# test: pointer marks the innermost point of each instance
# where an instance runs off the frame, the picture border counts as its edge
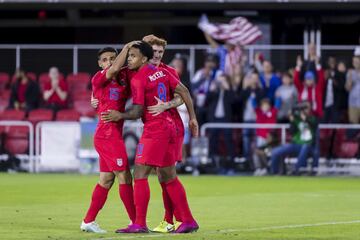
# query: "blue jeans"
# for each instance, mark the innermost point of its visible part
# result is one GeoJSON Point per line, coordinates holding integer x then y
{"type": "Point", "coordinates": [301, 151]}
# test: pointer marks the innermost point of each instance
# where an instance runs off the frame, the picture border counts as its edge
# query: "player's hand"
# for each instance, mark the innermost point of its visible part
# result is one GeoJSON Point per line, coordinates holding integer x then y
{"type": "Point", "coordinates": [111, 116]}
{"type": "Point", "coordinates": [148, 38]}
{"type": "Point", "coordinates": [158, 108]}
{"type": "Point", "coordinates": [94, 102]}
{"type": "Point", "coordinates": [194, 127]}
{"type": "Point", "coordinates": [299, 61]}
{"type": "Point", "coordinates": [130, 44]}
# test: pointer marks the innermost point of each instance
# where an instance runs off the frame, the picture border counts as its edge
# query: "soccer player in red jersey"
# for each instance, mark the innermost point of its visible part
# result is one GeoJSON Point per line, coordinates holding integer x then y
{"type": "Point", "coordinates": [112, 91]}
{"type": "Point", "coordinates": [158, 45]}
{"type": "Point", "coordinates": [159, 133]}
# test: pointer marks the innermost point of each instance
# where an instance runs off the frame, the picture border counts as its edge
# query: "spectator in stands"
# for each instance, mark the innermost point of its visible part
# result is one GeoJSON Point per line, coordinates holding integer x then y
{"type": "Point", "coordinates": [179, 63]}
{"type": "Point", "coordinates": [251, 90]}
{"type": "Point", "coordinates": [219, 100]}
{"type": "Point", "coordinates": [55, 92]}
{"type": "Point", "coordinates": [353, 86]}
{"type": "Point", "coordinates": [222, 51]}
{"type": "Point", "coordinates": [269, 81]}
{"type": "Point", "coordinates": [25, 93]}
{"type": "Point", "coordinates": [311, 88]}
{"type": "Point", "coordinates": [200, 85]}
{"type": "Point", "coordinates": [286, 97]}
{"type": "Point", "coordinates": [303, 128]}
{"type": "Point", "coordinates": [311, 62]}
{"type": "Point", "coordinates": [335, 94]}
{"type": "Point", "coordinates": [265, 114]}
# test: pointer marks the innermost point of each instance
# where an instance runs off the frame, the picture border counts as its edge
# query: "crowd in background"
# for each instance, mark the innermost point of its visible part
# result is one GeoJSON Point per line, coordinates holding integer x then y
{"type": "Point", "coordinates": [313, 91]}
{"type": "Point", "coordinates": [229, 89]}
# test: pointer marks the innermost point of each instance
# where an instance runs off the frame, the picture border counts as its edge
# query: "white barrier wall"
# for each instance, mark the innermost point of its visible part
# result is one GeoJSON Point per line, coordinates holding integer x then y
{"type": "Point", "coordinates": [58, 148]}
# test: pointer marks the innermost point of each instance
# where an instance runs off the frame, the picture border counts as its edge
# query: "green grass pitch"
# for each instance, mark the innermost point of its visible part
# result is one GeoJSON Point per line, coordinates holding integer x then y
{"type": "Point", "coordinates": [51, 206]}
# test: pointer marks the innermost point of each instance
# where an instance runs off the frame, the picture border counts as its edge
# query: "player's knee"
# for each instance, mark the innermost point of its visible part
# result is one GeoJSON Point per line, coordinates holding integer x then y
{"type": "Point", "coordinates": [167, 175]}
{"type": "Point", "coordinates": [106, 182]}
{"type": "Point", "coordinates": [124, 177]}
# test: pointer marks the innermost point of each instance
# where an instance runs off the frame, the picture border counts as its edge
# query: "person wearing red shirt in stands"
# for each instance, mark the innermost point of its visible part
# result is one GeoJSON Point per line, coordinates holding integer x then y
{"type": "Point", "coordinates": [265, 114]}
{"type": "Point", "coordinates": [56, 91]}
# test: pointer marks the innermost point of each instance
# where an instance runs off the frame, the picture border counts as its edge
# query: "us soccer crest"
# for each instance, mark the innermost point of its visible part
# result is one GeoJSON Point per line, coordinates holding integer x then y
{"type": "Point", "coordinates": [119, 162]}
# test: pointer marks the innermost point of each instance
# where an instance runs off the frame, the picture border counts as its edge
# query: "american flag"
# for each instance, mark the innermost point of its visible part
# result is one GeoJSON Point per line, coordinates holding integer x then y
{"type": "Point", "coordinates": [239, 31]}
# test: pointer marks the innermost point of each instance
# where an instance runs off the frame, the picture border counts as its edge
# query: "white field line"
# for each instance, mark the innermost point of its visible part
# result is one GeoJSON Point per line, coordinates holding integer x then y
{"type": "Point", "coordinates": [136, 236]}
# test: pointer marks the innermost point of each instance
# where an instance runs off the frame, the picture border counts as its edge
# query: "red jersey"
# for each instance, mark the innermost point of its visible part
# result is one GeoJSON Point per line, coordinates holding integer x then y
{"type": "Point", "coordinates": [112, 95]}
{"type": "Point", "coordinates": [173, 111]}
{"type": "Point", "coordinates": [54, 98]}
{"type": "Point", "coordinates": [265, 117]}
{"type": "Point", "coordinates": [149, 82]}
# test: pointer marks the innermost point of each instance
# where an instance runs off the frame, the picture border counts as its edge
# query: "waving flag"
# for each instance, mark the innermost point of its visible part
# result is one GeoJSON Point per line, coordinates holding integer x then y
{"type": "Point", "coordinates": [238, 32]}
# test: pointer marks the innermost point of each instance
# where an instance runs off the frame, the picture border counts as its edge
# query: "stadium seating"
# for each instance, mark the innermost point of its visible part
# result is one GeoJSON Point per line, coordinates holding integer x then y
{"type": "Point", "coordinates": [4, 80]}
{"type": "Point", "coordinates": [4, 99]}
{"type": "Point", "coordinates": [39, 115]}
{"type": "Point", "coordinates": [77, 83]}
{"type": "Point", "coordinates": [83, 95]}
{"type": "Point", "coordinates": [16, 140]}
{"type": "Point", "coordinates": [84, 108]}
{"type": "Point", "coordinates": [11, 114]}
{"type": "Point", "coordinates": [67, 115]}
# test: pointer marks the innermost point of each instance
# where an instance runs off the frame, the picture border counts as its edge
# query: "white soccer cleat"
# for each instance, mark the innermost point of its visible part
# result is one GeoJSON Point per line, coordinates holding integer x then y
{"type": "Point", "coordinates": [91, 227]}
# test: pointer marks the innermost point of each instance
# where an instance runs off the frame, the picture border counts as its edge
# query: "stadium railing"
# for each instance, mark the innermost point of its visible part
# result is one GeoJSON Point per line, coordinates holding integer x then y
{"type": "Point", "coordinates": [347, 165]}
{"type": "Point", "coordinates": [29, 157]}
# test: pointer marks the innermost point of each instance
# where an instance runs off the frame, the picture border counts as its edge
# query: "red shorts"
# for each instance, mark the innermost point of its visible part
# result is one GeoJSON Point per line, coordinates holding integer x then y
{"type": "Point", "coordinates": [156, 146]}
{"type": "Point", "coordinates": [178, 148]}
{"type": "Point", "coordinates": [112, 153]}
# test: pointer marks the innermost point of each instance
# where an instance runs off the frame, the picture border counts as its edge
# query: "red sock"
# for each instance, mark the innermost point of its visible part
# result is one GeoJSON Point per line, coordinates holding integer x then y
{"type": "Point", "coordinates": [142, 197]}
{"type": "Point", "coordinates": [167, 205]}
{"type": "Point", "coordinates": [177, 194]}
{"type": "Point", "coordinates": [98, 200]}
{"type": "Point", "coordinates": [127, 196]}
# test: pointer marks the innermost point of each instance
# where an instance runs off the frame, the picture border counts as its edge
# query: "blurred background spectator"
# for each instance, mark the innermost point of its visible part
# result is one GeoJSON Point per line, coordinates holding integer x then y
{"type": "Point", "coordinates": [286, 96]}
{"type": "Point", "coordinates": [269, 81]}
{"type": "Point", "coordinates": [179, 63]}
{"type": "Point", "coordinates": [25, 93]}
{"type": "Point", "coordinates": [219, 100]}
{"type": "Point", "coordinates": [265, 114]}
{"type": "Point", "coordinates": [200, 85]}
{"type": "Point", "coordinates": [353, 86]}
{"type": "Point", "coordinates": [303, 130]}
{"type": "Point", "coordinates": [55, 91]}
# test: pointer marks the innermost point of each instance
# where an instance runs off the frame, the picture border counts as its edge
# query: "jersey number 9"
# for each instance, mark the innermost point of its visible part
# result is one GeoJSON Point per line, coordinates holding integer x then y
{"type": "Point", "coordinates": [161, 89]}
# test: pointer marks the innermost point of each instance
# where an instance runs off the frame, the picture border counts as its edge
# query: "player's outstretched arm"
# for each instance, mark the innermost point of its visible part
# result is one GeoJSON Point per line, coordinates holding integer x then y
{"type": "Point", "coordinates": [133, 113]}
{"type": "Point", "coordinates": [185, 95]}
{"type": "Point", "coordinates": [163, 106]}
{"type": "Point", "coordinates": [119, 61]}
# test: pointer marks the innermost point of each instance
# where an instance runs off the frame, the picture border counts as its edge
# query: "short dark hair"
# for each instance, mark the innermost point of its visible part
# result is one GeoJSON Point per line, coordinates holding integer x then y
{"type": "Point", "coordinates": [145, 49]}
{"type": "Point", "coordinates": [106, 49]}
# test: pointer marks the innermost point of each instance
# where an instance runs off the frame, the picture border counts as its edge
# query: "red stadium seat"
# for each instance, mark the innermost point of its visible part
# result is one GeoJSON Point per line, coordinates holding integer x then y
{"type": "Point", "coordinates": [12, 114]}
{"type": "Point", "coordinates": [67, 115]}
{"type": "Point", "coordinates": [347, 150]}
{"type": "Point", "coordinates": [82, 96]}
{"type": "Point", "coordinates": [84, 108]}
{"type": "Point", "coordinates": [78, 82]}
{"type": "Point", "coordinates": [81, 76]}
{"type": "Point", "coordinates": [39, 115]}
{"type": "Point", "coordinates": [16, 139]}
{"type": "Point", "coordinates": [4, 99]}
{"type": "Point", "coordinates": [4, 80]}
